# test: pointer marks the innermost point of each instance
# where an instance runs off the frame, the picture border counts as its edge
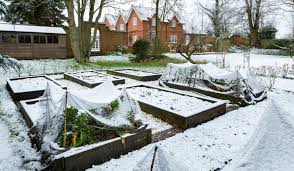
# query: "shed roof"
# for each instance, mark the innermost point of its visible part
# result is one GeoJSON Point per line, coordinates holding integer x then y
{"type": "Point", "coordinates": [30, 28]}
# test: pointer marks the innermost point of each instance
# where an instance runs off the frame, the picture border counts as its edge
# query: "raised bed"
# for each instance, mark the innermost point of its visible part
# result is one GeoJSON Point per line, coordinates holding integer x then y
{"type": "Point", "coordinates": [82, 158]}
{"type": "Point", "coordinates": [91, 79]}
{"type": "Point", "coordinates": [24, 88]}
{"type": "Point", "coordinates": [135, 74]}
{"type": "Point", "coordinates": [179, 109]}
{"type": "Point", "coordinates": [233, 99]}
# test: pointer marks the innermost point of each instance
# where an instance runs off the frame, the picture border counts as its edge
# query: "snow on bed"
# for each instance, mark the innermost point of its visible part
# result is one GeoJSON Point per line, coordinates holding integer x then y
{"type": "Point", "coordinates": [136, 72]}
{"type": "Point", "coordinates": [91, 76]}
{"type": "Point", "coordinates": [181, 104]}
{"type": "Point", "coordinates": [209, 146]}
{"type": "Point", "coordinates": [31, 84]}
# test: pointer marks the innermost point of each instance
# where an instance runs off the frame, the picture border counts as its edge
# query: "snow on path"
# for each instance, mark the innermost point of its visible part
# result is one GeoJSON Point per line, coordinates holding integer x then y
{"type": "Point", "coordinates": [271, 147]}
{"type": "Point", "coordinates": [207, 147]}
{"type": "Point", "coordinates": [4, 143]}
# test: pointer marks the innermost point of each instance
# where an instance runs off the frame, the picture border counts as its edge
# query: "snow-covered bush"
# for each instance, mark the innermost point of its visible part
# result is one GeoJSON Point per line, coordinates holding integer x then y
{"type": "Point", "coordinates": [6, 63]}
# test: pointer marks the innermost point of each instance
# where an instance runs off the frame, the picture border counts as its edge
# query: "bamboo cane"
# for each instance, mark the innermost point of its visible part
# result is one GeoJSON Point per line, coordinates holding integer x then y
{"type": "Point", "coordinates": [65, 131]}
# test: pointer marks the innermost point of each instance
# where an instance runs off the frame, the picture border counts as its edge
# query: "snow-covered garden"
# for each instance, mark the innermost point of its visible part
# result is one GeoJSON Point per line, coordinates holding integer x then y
{"type": "Point", "coordinates": [258, 136]}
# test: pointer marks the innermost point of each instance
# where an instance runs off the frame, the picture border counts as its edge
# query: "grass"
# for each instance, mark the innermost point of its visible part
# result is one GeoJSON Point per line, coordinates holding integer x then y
{"type": "Point", "coordinates": [153, 63]}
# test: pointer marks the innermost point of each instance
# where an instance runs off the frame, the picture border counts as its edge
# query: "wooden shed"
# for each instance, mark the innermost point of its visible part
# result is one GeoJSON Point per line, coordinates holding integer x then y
{"type": "Point", "coordinates": [32, 42]}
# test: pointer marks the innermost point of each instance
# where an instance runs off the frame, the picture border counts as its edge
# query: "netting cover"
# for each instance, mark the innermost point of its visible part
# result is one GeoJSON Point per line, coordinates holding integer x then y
{"type": "Point", "coordinates": [162, 161]}
{"type": "Point", "coordinates": [93, 102]}
{"type": "Point", "coordinates": [212, 78]}
{"type": "Point", "coordinates": [271, 147]}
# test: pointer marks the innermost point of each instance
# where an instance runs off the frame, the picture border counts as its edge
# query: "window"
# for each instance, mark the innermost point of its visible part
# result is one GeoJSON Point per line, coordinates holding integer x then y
{"type": "Point", "coordinates": [153, 35]}
{"type": "Point", "coordinates": [24, 39]}
{"type": "Point", "coordinates": [96, 45]}
{"type": "Point", "coordinates": [52, 39]}
{"type": "Point", "coordinates": [39, 39]}
{"type": "Point", "coordinates": [7, 38]}
{"type": "Point", "coordinates": [187, 39]}
{"type": "Point", "coordinates": [153, 22]}
{"type": "Point", "coordinates": [173, 23]}
{"type": "Point", "coordinates": [135, 21]}
{"type": "Point", "coordinates": [122, 27]}
{"type": "Point", "coordinates": [173, 38]}
{"type": "Point", "coordinates": [134, 39]}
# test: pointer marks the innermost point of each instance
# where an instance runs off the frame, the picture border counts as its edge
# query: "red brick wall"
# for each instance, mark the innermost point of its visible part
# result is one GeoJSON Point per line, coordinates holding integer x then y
{"type": "Point", "coordinates": [144, 30]}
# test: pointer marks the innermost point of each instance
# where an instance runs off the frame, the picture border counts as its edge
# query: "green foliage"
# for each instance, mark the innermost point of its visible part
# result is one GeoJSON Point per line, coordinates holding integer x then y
{"type": "Point", "coordinates": [37, 12]}
{"type": "Point", "coordinates": [77, 124]}
{"type": "Point", "coordinates": [121, 49]}
{"type": "Point", "coordinates": [114, 104]}
{"type": "Point", "coordinates": [141, 49]}
{"type": "Point", "coordinates": [268, 32]}
{"type": "Point", "coordinates": [275, 43]}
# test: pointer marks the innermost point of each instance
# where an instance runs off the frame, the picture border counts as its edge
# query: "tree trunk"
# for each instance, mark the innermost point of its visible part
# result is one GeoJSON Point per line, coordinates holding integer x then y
{"type": "Point", "coordinates": [157, 39]}
{"type": "Point", "coordinates": [254, 39]}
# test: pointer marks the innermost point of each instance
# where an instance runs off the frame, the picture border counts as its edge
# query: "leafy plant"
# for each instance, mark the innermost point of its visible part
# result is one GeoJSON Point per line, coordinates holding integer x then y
{"type": "Point", "coordinates": [79, 132]}
{"type": "Point", "coordinates": [114, 104]}
{"type": "Point", "coordinates": [141, 49]}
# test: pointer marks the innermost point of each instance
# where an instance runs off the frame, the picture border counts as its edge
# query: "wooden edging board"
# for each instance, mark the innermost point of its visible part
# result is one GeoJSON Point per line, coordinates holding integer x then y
{"type": "Point", "coordinates": [200, 116]}
{"type": "Point", "coordinates": [153, 77]}
{"type": "Point", "coordinates": [82, 82]}
{"type": "Point", "coordinates": [232, 99]}
{"type": "Point", "coordinates": [26, 95]}
{"type": "Point", "coordinates": [84, 157]}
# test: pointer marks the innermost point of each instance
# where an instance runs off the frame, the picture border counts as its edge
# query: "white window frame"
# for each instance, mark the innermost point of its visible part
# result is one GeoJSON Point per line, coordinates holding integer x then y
{"type": "Point", "coordinates": [153, 35]}
{"type": "Point", "coordinates": [153, 22]}
{"type": "Point", "coordinates": [173, 39]}
{"type": "Point", "coordinates": [135, 21]}
{"type": "Point", "coordinates": [187, 39]}
{"type": "Point", "coordinates": [135, 38]}
{"type": "Point", "coordinates": [122, 27]}
{"type": "Point", "coordinates": [173, 23]}
{"type": "Point", "coordinates": [96, 45]}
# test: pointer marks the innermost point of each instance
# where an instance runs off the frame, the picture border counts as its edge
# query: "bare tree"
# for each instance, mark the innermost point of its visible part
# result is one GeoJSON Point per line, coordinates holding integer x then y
{"type": "Point", "coordinates": [220, 16]}
{"type": "Point", "coordinates": [80, 31]}
{"type": "Point", "coordinates": [196, 44]}
{"type": "Point", "coordinates": [163, 9]}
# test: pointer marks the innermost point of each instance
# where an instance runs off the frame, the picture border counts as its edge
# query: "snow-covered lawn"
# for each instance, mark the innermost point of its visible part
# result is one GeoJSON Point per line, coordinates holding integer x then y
{"type": "Point", "coordinates": [207, 147]}
{"type": "Point", "coordinates": [234, 60]}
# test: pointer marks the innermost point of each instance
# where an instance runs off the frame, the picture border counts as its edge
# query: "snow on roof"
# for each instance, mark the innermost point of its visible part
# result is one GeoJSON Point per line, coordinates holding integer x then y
{"type": "Point", "coordinates": [30, 28]}
{"type": "Point", "coordinates": [145, 13]}
{"type": "Point", "coordinates": [111, 19]}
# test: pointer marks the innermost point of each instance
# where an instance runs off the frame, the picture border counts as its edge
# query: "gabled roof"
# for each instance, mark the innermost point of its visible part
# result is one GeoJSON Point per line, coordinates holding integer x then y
{"type": "Point", "coordinates": [30, 28]}
{"type": "Point", "coordinates": [111, 19]}
{"type": "Point", "coordinates": [144, 13]}
{"type": "Point", "coordinates": [124, 16]}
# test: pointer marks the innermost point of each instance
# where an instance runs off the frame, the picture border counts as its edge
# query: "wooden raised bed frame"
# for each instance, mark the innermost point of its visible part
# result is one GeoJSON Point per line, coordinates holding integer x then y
{"type": "Point", "coordinates": [18, 96]}
{"type": "Point", "coordinates": [94, 154]}
{"type": "Point", "coordinates": [232, 99]}
{"type": "Point", "coordinates": [153, 77]}
{"type": "Point", "coordinates": [70, 77]}
{"type": "Point", "coordinates": [217, 108]}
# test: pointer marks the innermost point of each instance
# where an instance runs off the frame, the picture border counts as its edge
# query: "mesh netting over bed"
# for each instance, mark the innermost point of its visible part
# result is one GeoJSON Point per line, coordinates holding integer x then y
{"type": "Point", "coordinates": [211, 78]}
{"type": "Point", "coordinates": [159, 159]}
{"type": "Point", "coordinates": [94, 102]}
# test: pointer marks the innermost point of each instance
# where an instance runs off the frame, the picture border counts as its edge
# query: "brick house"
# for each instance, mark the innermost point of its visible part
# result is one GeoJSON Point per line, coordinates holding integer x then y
{"type": "Point", "coordinates": [110, 21]}
{"type": "Point", "coordinates": [141, 23]}
{"type": "Point", "coordinates": [121, 23]}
